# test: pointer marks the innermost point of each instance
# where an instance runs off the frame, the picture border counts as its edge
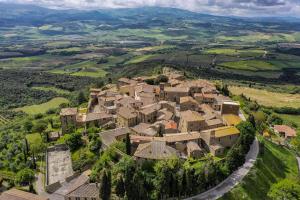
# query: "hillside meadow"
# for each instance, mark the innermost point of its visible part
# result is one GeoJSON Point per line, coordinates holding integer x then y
{"type": "Point", "coordinates": [44, 107]}
{"type": "Point", "coordinates": [275, 164]}
{"type": "Point", "coordinates": [267, 98]}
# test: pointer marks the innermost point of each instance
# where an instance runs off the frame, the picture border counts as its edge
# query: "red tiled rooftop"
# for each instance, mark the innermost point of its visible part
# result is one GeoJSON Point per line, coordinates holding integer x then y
{"type": "Point", "coordinates": [288, 131]}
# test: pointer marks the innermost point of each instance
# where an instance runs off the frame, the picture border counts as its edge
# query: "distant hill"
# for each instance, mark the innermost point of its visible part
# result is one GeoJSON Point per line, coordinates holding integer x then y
{"type": "Point", "coordinates": [29, 15]}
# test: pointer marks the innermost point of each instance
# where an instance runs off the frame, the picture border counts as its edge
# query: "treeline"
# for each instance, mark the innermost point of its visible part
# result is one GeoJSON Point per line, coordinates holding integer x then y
{"type": "Point", "coordinates": [16, 85]}
{"type": "Point", "coordinates": [173, 178]}
{"type": "Point", "coordinates": [287, 110]}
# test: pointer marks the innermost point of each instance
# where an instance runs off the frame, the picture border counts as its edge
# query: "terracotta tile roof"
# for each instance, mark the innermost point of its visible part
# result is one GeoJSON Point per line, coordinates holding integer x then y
{"type": "Point", "coordinates": [188, 99]}
{"type": "Point", "coordinates": [169, 138]}
{"type": "Point", "coordinates": [177, 89]}
{"type": "Point", "coordinates": [127, 112]}
{"type": "Point", "coordinates": [97, 116]}
{"type": "Point", "coordinates": [109, 137]}
{"type": "Point", "coordinates": [155, 150]}
{"type": "Point", "coordinates": [288, 131]}
{"type": "Point", "coordinates": [192, 146]}
{"type": "Point", "coordinates": [170, 124]}
{"type": "Point", "coordinates": [90, 190]}
{"type": "Point", "coordinates": [191, 116]}
{"type": "Point", "coordinates": [81, 180]}
{"type": "Point", "coordinates": [179, 137]}
{"type": "Point", "coordinates": [14, 194]}
{"type": "Point", "coordinates": [140, 127]}
{"type": "Point", "coordinates": [206, 108]}
{"type": "Point", "coordinates": [209, 95]}
{"type": "Point", "coordinates": [164, 114]}
{"type": "Point", "coordinates": [146, 110]}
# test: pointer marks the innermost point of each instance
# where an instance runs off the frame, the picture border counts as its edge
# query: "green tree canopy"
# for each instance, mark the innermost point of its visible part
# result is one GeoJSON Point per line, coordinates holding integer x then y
{"type": "Point", "coordinates": [25, 177]}
{"type": "Point", "coordinates": [105, 186]}
{"type": "Point", "coordinates": [73, 140]}
{"type": "Point", "coordinates": [287, 189]}
{"type": "Point", "coordinates": [40, 126]}
{"type": "Point", "coordinates": [81, 98]}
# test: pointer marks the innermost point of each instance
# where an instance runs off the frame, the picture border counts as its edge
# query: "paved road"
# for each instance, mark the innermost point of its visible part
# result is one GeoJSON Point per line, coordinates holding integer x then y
{"type": "Point", "coordinates": [298, 159]}
{"type": "Point", "coordinates": [234, 179]}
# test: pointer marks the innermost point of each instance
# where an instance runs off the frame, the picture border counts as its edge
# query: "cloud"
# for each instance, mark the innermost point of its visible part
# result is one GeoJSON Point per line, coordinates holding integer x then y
{"type": "Point", "coordinates": [218, 7]}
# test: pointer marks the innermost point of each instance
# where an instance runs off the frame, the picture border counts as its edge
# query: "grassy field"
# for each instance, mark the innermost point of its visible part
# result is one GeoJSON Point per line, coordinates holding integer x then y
{"type": "Point", "coordinates": [274, 165]}
{"type": "Point", "coordinates": [44, 107]}
{"type": "Point", "coordinates": [33, 138]}
{"type": "Point", "coordinates": [86, 68]}
{"type": "Point", "coordinates": [251, 65]}
{"type": "Point", "coordinates": [257, 37]}
{"type": "Point", "coordinates": [156, 48]}
{"type": "Point", "coordinates": [267, 98]}
{"type": "Point", "coordinates": [291, 118]}
{"type": "Point", "coordinates": [139, 59]}
{"type": "Point", "coordinates": [236, 52]}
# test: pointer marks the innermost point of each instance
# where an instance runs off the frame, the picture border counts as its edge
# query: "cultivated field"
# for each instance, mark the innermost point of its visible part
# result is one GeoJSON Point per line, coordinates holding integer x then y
{"type": "Point", "coordinates": [267, 98]}
{"type": "Point", "coordinates": [44, 107]}
{"type": "Point", "coordinates": [3, 120]}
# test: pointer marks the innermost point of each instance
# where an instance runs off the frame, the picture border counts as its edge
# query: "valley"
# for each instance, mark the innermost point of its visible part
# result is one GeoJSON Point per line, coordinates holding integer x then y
{"type": "Point", "coordinates": [56, 62]}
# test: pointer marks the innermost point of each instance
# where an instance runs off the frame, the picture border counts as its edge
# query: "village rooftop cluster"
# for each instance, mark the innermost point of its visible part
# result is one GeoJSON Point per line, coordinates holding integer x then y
{"type": "Point", "coordinates": [166, 116]}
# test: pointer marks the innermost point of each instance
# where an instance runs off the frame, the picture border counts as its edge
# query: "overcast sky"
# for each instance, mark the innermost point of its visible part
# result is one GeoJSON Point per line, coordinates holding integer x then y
{"type": "Point", "coordinates": [218, 7]}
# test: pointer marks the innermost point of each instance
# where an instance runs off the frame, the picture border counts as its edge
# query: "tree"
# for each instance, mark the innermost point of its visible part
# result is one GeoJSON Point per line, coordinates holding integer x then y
{"type": "Point", "coordinates": [74, 140]}
{"type": "Point", "coordinates": [234, 159]}
{"type": "Point", "coordinates": [81, 98]}
{"type": "Point", "coordinates": [105, 186]}
{"type": "Point", "coordinates": [50, 120]}
{"type": "Point", "coordinates": [120, 187]}
{"type": "Point", "coordinates": [28, 126]}
{"type": "Point", "coordinates": [251, 119]}
{"type": "Point", "coordinates": [260, 117]}
{"type": "Point", "coordinates": [285, 189]}
{"type": "Point", "coordinates": [99, 84]}
{"type": "Point", "coordinates": [275, 119]}
{"type": "Point", "coordinates": [225, 90]}
{"type": "Point", "coordinates": [247, 135]}
{"type": "Point", "coordinates": [95, 144]}
{"type": "Point", "coordinates": [128, 144]}
{"type": "Point", "coordinates": [40, 126]}
{"type": "Point", "coordinates": [25, 177]}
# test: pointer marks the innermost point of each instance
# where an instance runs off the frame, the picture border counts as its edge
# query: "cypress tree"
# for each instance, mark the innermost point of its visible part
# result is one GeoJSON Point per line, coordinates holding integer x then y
{"type": "Point", "coordinates": [120, 187]}
{"type": "Point", "coordinates": [128, 145]}
{"type": "Point", "coordinates": [81, 98]}
{"type": "Point", "coordinates": [252, 120]}
{"type": "Point", "coordinates": [105, 186]}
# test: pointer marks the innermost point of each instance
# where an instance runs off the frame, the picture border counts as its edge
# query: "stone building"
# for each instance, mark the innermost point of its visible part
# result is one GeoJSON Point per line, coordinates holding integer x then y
{"type": "Point", "coordinates": [174, 93]}
{"type": "Point", "coordinates": [216, 140]}
{"type": "Point", "coordinates": [191, 121]}
{"type": "Point", "coordinates": [68, 119]}
{"type": "Point", "coordinates": [127, 117]}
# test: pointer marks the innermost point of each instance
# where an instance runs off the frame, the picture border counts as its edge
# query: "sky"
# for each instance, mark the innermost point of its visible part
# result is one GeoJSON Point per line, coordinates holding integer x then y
{"type": "Point", "coordinates": [289, 8]}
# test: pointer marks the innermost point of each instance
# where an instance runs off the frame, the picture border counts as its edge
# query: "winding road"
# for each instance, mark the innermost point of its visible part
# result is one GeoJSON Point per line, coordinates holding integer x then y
{"type": "Point", "coordinates": [234, 179]}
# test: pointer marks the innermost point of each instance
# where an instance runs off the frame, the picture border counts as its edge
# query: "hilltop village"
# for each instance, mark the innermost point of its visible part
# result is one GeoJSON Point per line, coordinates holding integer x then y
{"type": "Point", "coordinates": [166, 116]}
